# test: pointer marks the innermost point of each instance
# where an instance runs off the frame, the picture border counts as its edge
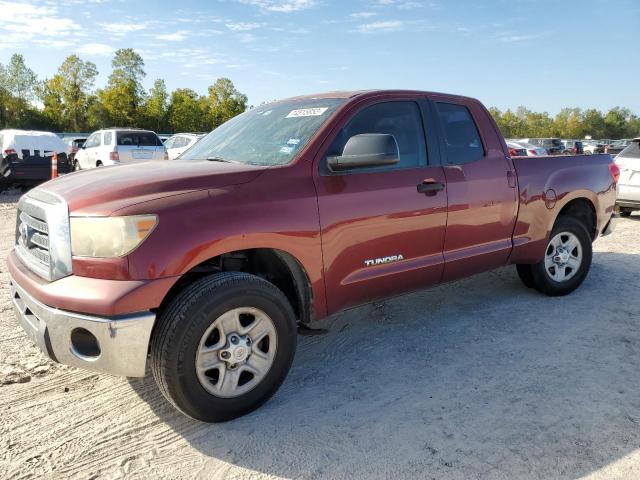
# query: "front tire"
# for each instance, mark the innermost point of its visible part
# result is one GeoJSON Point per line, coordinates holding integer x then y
{"type": "Point", "coordinates": [223, 346]}
{"type": "Point", "coordinates": [566, 262]}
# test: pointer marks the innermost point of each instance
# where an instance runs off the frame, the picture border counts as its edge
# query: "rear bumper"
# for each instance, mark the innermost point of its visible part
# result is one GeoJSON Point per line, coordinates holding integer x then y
{"type": "Point", "coordinates": [122, 342]}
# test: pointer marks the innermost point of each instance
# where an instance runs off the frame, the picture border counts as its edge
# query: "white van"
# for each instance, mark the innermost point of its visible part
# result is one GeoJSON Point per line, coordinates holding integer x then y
{"type": "Point", "coordinates": [114, 146]}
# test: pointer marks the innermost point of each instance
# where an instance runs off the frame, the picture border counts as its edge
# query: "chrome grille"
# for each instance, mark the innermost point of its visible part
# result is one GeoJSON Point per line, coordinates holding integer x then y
{"type": "Point", "coordinates": [42, 234]}
{"type": "Point", "coordinates": [33, 238]}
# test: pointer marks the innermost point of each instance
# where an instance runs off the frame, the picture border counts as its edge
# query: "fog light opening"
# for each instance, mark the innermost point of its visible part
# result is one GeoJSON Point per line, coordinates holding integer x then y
{"type": "Point", "coordinates": [84, 344]}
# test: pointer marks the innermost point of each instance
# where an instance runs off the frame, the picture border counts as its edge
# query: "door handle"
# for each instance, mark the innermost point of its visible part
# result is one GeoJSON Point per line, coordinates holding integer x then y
{"type": "Point", "coordinates": [430, 187]}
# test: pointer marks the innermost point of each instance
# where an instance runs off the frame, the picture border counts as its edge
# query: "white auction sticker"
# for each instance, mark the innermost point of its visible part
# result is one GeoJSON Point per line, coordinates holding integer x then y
{"type": "Point", "coordinates": [307, 112]}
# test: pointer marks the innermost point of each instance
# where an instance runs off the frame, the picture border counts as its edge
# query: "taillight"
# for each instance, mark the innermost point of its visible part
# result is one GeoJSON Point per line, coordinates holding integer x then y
{"type": "Point", "coordinates": [9, 151]}
{"type": "Point", "coordinates": [614, 170]}
{"type": "Point", "coordinates": [166, 155]}
{"type": "Point", "coordinates": [113, 156]}
{"type": "Point", "coordinates": [513, 152]}
{"type": "Point", "coordinates": [532, 152]}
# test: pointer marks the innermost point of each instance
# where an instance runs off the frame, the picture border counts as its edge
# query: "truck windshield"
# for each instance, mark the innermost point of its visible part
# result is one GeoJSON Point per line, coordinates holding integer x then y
{"type": "Point", "coordinates": [271, 134]}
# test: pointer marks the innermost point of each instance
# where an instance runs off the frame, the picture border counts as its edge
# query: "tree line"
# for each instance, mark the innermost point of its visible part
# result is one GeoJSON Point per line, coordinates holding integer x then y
{"type": "Point", "coordinates": [68, 101]}
{"type": "Point", "coordinates": [572, 123]}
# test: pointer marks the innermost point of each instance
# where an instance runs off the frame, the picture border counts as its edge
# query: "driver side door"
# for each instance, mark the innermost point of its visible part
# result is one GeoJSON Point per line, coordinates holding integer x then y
{"type": "Point", "coordinates": [380, 235]}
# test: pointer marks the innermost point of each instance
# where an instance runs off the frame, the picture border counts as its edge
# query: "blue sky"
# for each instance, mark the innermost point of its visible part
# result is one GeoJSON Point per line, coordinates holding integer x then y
{"type": "Point", "coordinates": [543, 54]}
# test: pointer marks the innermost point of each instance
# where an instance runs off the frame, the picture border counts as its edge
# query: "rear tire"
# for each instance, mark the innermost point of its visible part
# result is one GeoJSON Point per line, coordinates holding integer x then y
{"type": "Point", "coordinates": [76, 166]}
{"type": "Point", "coordinates": [194, 375]}
{"type": "Point", "coordinates": [625, 213]}
{"type": "Point", "coordinates": [567, 259]}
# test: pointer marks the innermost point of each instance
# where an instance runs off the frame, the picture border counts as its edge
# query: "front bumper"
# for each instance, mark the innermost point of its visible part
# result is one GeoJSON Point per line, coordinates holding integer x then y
{"type": "Point", "coordinates": [122, 341]}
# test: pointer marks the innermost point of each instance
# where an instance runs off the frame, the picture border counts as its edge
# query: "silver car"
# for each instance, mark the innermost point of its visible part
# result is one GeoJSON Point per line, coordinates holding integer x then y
{"type": "Point", "coordinates": [628, 160]}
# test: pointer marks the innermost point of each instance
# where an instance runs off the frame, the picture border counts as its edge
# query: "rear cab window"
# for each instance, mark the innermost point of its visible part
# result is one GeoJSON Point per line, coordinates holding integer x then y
{"type": "Point", "coordinates": [138, 139]}
{"type": "Point", "coordinates": [462, 139]}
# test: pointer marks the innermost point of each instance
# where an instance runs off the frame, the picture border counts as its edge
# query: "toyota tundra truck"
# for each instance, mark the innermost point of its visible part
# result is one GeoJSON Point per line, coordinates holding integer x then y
{"type": "Point", "coordinates": [206, 268]}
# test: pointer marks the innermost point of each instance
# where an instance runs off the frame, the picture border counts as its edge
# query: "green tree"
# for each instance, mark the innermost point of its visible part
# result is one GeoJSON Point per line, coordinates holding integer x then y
{"type": "Point", "coordinates": [19, 79]}
{"type": "Point", "coordinates": [568, 123]}
{"type": "Point", "coordinates": [156, 107]}
{"type": "Point", "coordinates": [225, 102]}
{"type": "Point", "coordinates": [124, 94]}
{"type": "Point", "coordinates": [65, 95]}
{"type": "Point", "coordinates": [185, 111]}
{"type": "Point", "coordinates": [593, 123]}
{"type": "Point", "coordinates": [616, 122]}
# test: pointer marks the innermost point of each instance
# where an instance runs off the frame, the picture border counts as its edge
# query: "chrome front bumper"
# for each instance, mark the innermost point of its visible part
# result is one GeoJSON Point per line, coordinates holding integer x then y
{"type": "Point", "coordinates": [122, 341]}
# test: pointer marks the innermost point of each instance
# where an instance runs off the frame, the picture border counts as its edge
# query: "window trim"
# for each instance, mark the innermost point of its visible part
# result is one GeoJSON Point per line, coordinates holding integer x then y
{"type": "Point", "coordinates": [325, 171]}
{"type": "Point", "coordinates": [444, 152]}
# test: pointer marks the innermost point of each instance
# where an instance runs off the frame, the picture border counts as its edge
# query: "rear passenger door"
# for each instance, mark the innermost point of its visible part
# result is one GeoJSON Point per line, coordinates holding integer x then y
{"type": "Point", "coordinates": [482, 202]}
{"type": "Point", "coordinates": [380, 234]}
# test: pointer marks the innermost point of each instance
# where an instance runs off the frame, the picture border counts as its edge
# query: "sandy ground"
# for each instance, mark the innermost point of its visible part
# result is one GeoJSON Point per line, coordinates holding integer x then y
{"type": "Point", "coordinates": [481, 378]}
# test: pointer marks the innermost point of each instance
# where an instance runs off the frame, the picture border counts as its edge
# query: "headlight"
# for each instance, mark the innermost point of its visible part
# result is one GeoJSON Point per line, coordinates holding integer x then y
{"type": "Point", "coordinates": [109, 236]}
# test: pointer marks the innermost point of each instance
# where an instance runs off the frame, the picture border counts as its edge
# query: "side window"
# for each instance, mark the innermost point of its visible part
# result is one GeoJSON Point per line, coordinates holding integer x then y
{"type": "Point", "coordinates": [180, 142]}
{"type": "Point", "coordinates": [400, 119]}
{"type": "Point", "coordinates": [461, 134]}
{"type": "Point", "coordinates": [108, 137]}
{"type": "Point", "coordinates": [169, 142]}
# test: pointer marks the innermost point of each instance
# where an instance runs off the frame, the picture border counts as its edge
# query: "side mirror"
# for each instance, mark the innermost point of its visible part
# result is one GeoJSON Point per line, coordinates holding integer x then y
{"type": "Point", "coordinates": [366, 150]}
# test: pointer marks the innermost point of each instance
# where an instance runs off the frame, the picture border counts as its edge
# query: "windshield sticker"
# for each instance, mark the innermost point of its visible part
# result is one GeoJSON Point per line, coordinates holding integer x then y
{"type": "Point", "coordinates": [307, 112]}
{"type": "Point", "coordinates": [286, 150]}
{"type": "Point", "coordinates": [293, 141]}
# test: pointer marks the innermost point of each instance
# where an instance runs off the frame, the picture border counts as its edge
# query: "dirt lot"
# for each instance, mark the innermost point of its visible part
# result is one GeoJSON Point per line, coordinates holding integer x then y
{"type": "Point", "coordinates": [481, 378]}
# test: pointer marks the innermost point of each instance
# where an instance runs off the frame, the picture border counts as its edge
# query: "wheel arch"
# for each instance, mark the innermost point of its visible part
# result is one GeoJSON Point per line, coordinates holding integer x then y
{"type": "Point", "coordinates": [582, 209]}
{"type": "Point", "coordinates": [279, 267]}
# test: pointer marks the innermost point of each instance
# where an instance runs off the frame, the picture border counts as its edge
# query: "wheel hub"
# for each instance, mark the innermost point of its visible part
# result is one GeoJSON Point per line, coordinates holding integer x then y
{"type": "Point", "coordinates": [561, 256]}
{"type": "Point", "coordinates": [236, 350]}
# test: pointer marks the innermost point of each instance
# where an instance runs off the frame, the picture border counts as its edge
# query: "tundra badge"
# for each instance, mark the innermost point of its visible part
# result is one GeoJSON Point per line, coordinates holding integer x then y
{"type": "Point", "coordinates": [380, 261]}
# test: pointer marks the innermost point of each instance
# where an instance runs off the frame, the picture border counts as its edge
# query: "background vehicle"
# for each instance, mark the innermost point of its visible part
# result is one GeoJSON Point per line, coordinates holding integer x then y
{"type": "Point", "coordinates": [114, 146]}
{"type": "Point", "coordinates": [73, 145]}
{"type": "Point", "coordinates": [516, 150]}
{"type": "Point", "coordinates": [617, 146]}
{"type": "Point", "coordinates": [629, 185]}
{"type": "Point", "coordinates": [591, 147]}
{"type": "Point", "coordinates": [553, 146]}
{"type": "Point", "coordinates": [288, 213]}
{"type": "Point", "coordinates": [573, 147]}
{"type": "Point", "coordinates": [180, 142]}
{"type": "Point", "coordinates": [531, 150]}
{"type": "Point", "coordinates": [25, 156]}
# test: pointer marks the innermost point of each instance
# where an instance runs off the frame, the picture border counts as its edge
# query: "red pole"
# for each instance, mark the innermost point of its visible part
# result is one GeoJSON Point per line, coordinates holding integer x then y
{"type": "Point", "coordinates": [54, 165]}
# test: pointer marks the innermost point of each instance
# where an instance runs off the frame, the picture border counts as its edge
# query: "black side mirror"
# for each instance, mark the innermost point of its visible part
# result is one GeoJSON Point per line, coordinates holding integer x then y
{"type": "Point", "coordinates": [366, 150]}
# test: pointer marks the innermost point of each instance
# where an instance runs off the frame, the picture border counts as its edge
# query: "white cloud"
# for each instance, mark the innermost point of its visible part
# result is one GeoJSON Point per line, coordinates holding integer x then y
{"type": "Point", "coordinates": [242, 26]}
{"type": "Point", "coordinates": [173, 37]}
{"type": "Point", "coordinates": [121, 29]}
{"type": "Point", "coordinates": [363, 14]}
{"type": "Point", "coordinates": [98, 49]}
{"type": "Point", "coordinates": [386, 26]}
{"type": "Point", "coordinates": [285, 6]}
{"type": "Point", "coordinates": [23, 22]}
{"type": "Point", "coordinates": [519, 38]}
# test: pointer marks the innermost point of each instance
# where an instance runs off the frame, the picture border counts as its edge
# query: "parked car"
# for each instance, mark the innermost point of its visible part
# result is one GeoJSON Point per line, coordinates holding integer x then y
{"type": "Point", "coordinates": [164, 137]}
{"type": "Point", "coordinates": [629, 185]}
{"type": "Point", "coordinates": [73, 145]}
{"type": "Point", "coordinates": [617, 146]}
{"type": "Point", "coordinates": [292, 211]}
{"type": "Point", "coordinates": [553, 146]}
{"type": "Point", "coordinates": [516, 150]}
{"type": "Point", "coordinates": [531, 150]}
{"type": "Point", "coordinates": [573, 147]}
{"type": "Point", "coordinates": [591, 147]}
{"type": "Point", "coordinates": [180, 142]}
{"type": "Point", "coordinates": [115, 146]}
{"type": "Point", "coordinates": [26, 156]}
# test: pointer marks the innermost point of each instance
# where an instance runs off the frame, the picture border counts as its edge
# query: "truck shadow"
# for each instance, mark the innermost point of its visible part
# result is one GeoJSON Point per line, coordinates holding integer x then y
{"type": "Point", "coordinates": [478, 378]}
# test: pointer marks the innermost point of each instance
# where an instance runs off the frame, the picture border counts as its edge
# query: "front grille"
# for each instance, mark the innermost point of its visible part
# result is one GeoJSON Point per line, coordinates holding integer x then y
{"type": "Point", "coordinates": [42, 234]}
{"type": "Point", "coordinates": [33, 238]}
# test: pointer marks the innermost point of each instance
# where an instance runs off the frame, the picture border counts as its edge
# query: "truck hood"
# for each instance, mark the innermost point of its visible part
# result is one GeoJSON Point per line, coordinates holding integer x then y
{"type": "Point", "coordinates": [103, 190]}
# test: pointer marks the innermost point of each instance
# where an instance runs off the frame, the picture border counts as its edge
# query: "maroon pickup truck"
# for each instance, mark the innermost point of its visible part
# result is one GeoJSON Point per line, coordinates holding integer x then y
{"type": "Point", "coordinates": [210, 265]}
